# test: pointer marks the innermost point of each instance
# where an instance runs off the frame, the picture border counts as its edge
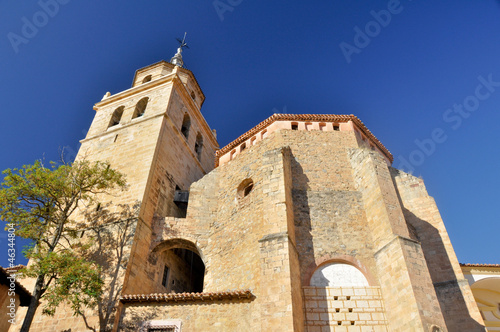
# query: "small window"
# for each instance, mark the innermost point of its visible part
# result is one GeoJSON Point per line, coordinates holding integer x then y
{"type": "Point", "coordinates": [243, 147]}
{"type": "Point", "coordinates": [322, 126]}
{"type": "Point", "coordinates": [245, 188]}
{"type": "Point", "coordinates": [140, 108]}
{"type": "Point", "coordinates": [309, 126]}
{"type": "Point", "coordinates": [193, 96]}
{"type": "Point", "coordinates": [336, 127]}
{"type": "Point", "coordinates": [116, 117]}
{"type": "Point", "coordinates": [146, 79]}
{"type": "Point", "coordinates": [232, 154]}
{"type": "Point", "coordinates": [295, 126]}
{"type": "Point", "coordinates": [164, 280]}
{"type": "Point", "coordinates": [252, 140]}
{"type": "Point", "coordinates": [186, 124]}
{"type": "Point", "coordinates": [198, 146]}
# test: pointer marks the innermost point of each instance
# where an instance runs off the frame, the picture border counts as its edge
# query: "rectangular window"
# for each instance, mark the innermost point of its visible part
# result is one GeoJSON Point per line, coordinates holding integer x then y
{"type": "Point", "coordinates": [165, 276]}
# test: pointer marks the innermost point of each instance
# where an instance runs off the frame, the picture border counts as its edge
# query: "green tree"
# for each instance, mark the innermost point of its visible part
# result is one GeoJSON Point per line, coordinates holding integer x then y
{"type": "Point", "coordinates": [39, 203]}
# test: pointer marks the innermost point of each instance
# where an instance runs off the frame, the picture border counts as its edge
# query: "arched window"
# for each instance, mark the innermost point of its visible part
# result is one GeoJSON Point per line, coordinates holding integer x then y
{"type": "Point", "coordinates": [146, 79]}
{"type": "Point", "coordinates": [186, 124]}
{"type": "Point", "coordinates": [140, 108]}
{"type": "Point", "coordinates": [338, 274]}
{"type": "Point", "coordinates": [198, 146]}
{"type": "Point", "coordinates": [245, 188]}
{"type": "Point", "coordinates": [116, 117]}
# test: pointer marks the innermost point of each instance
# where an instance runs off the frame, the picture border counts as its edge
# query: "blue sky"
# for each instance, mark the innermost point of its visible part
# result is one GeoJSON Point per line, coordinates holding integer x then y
{"type": "Point", "coordinates": [423, 76]}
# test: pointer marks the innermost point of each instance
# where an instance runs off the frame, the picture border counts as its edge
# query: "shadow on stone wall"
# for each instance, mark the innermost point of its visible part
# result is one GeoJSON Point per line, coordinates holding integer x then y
{"type": "Point", "coordinates": [111, 251]}
{"type": "Point", "coordinates": [303, 228]}
{"type": "Point", "coordinates": [448, 287]}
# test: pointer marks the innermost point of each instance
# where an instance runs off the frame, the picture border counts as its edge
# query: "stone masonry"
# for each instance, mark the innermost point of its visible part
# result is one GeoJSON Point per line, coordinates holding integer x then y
{"type": "Point", "coordinates": [294, 196]}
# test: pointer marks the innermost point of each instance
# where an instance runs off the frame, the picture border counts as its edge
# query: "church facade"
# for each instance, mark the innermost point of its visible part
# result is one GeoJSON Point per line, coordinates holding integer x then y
{"type": "Point", "coordinates": [300, 224]}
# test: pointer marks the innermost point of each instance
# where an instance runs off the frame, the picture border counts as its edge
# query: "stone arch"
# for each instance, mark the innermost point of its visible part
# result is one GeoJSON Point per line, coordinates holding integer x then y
{"type": "Point", "coordinates": [344, 259]}
{"type": "Point", "coordinates": [180, 266]}
{"type": "Point", "coordinates": [178, 243]}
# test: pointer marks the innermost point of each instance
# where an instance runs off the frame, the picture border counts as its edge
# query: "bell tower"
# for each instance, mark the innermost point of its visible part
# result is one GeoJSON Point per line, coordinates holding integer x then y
{"type": "Point", "coordinates": [155, 134]}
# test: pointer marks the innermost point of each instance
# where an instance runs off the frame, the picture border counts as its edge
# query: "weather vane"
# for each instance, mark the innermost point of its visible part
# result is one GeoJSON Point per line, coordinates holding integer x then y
{"type": "Point", "coordinates": [177, 58]}
{"type": "Point", "coordinates": [182, 43]}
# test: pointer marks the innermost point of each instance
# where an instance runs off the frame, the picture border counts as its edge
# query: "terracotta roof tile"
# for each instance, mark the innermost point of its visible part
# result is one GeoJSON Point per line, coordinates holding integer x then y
{"type": "Point", "coordinates": [14, 268]}
{"type": "Point", "coordinates": [187, 297]}
{"type": "Point", "coordinates": [303, 117]}
{"type": "Point", "coordinates": [479, 265]}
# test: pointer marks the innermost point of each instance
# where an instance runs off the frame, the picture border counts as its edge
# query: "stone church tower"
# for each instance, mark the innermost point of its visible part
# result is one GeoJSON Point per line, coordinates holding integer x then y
{"type": "Point", "coordinates": [300, 224]}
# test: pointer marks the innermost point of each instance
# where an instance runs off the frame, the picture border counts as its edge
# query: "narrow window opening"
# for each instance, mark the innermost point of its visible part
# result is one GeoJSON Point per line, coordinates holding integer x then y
{"type": "Point", "coordinates": [335, 298]}
{"type": "Point", "coordinates": [348, 298]}
{"type": "Point", "coordinates": [336, 128]}
{"type": "Point", "coordinates": [193, 96]}
{"type": "Point", "coordinates": [146, 79]}
{"type": "Point", "coordinates": [164, 280]}
{"type": "Point", "coordinates": [81, 235]}
{"type": "Point", "coordinates": [350, 309]}
{"type": "Point", "coordinates": [295, 126]}
{"type": "Point", "coordinates": [116, 137]}
{"type": "Point", "coordinates": [140, 108]}
{"type": "Point", "coordinates": [339, 322]}
{"type": "Point", "coordinates": [243, 146]}
{"type": "Point", "coordinates": [352, 322]}
{"type": "Point", "coordinates": [186, 124]}
{"type": "Point", "coordinates": [337, 309]}
{"type": "Point", "coordinates": [98, 207]}
{"type": "Point", "coordinates": [198, 146]}
{"type": "Point", "coordinates": [116, 117]}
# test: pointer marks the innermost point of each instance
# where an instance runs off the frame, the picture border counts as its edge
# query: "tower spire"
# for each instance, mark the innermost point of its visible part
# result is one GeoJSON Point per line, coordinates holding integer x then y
{"type": "Point", "coordinates": [177, 58]}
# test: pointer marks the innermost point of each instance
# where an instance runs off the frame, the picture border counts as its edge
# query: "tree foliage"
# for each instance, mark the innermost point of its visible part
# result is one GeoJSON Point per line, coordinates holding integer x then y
{"type": "Point", "coordinates": [40, 203]}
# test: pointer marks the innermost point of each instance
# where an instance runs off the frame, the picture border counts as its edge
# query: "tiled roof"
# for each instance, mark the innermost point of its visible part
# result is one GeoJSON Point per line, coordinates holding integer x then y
{"type": "Point", "coordinates": [479, 265]}
{"type": "Point", "coordinates": [187, 297]}
{"type": "Point", "coordinates": [24, 294]}
{"type": "Point", "coordinates": [14, 269]}
{"type": "Point", "coordinates": [304, 117]}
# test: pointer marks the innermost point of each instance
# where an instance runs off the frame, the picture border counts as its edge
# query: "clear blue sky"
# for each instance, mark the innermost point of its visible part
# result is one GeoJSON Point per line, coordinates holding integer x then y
{"type": "Point", "coordinates": [399, 66]}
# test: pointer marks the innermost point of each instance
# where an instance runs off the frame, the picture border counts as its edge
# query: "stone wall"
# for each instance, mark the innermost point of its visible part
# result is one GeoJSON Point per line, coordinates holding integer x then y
{"type": "Point", "coordinates": [344, 309]}
{"type": "Point", "coordinates": [456, 301]}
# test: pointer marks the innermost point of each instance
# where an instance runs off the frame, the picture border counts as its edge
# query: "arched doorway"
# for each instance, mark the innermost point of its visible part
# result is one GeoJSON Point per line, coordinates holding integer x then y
{"type": "Point", "coordinates": [180, 267]}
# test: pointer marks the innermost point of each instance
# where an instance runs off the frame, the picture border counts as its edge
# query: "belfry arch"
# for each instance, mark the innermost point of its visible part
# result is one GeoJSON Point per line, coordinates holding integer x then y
{"type": "Point", "coordinates": [180, 267]}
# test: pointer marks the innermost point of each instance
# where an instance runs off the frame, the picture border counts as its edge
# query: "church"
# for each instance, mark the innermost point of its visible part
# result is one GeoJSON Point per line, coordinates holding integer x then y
{"type": "Point", "coordinates": [299, 224]}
